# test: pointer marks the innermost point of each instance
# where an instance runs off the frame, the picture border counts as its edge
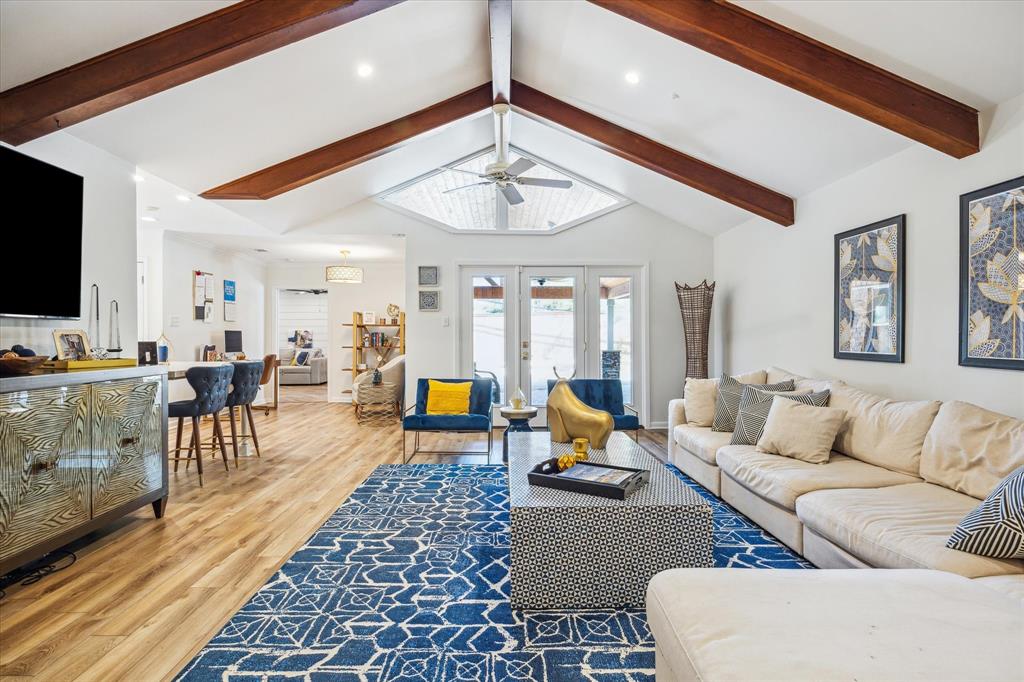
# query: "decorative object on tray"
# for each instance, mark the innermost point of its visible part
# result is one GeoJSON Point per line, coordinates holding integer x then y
{"type": "Point", "coordinates": [430, 301]}
{"type": "Point", "coordinates": [566, 473]}
{"type": "Point", "coordinates": [114, 333]}
{"type": "Point", "coordinates": [71, 344]}
{"type": "Point", "coordinates": [569, 417]}
{"type": "Point", "coordinates": [869, 292]}
{"type": "Point", "coordinates": [93, 326]}
{"type": "Point", "coordinates": [581, 447]}
{"type": "Point", "coordinates": [695, 307]}
{"type": "Point", "coordinates": [429, 275]}
{"type": "Point", "coordinates": [992, 276]}
{"type": "Point", "coordinates": [518, 401]}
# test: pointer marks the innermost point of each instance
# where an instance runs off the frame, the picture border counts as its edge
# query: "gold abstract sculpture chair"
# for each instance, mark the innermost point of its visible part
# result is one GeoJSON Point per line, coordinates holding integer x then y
{"type": "Point", "coordinates": [569, 417]}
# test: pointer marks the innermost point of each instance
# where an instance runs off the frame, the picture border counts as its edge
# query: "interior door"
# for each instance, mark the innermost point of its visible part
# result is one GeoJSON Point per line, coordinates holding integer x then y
{"type": "Point", "coordinates": [552, 327]}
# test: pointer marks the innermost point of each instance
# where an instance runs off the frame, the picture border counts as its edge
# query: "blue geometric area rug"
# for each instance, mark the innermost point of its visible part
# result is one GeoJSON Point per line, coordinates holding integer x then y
{"type": "Point", "coordinates": [408, 580]}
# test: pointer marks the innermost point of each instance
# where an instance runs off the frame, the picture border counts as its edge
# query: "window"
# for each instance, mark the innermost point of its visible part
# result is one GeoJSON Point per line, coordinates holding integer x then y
{"type": "Point", "coordinates": [489, 330]}
{"type": "Point", "coordinates": [457, 199]}
{"type": "Point", "coordinates": [616, 310]}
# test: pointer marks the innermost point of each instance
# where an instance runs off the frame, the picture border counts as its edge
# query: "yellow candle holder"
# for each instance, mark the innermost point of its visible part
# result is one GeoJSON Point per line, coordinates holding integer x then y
{"type": "Point", "coordinates": [581, 448]}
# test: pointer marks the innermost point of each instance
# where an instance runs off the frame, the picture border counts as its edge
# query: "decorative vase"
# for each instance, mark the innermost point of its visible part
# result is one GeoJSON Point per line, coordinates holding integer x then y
{"type": "Point", "coordinates": [695, 307]}
{"type": "Point", "coordinates": [518, 400]}
{"type": "Point", "coordinates": [377, 377]}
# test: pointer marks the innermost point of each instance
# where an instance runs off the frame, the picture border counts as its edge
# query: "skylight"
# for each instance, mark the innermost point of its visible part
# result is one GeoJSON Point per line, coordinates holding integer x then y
{"type": "Point", "coordinates": [482, 208]}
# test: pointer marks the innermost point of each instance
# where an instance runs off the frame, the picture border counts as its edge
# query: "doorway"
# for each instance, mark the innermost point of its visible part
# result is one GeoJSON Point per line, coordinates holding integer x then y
{"type": "Point", "coordinates": [302, 345]}
{"type": "Point", "coordinates": [522, 324]}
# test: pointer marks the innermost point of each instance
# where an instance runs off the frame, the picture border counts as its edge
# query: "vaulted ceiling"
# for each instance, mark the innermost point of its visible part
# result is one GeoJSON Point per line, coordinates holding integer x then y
{"type": "Point", "coordinates": [713, 109]}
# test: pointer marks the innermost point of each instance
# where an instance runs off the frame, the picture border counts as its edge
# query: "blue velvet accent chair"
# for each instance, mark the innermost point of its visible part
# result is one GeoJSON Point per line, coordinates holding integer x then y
{"type": "Point", "coordinates": [211, 383]}
{"type": "Point", "coordinates": [605, 394]}
{"type": "Point", "coordinates": [245, 386]}
{"type": "Point", "coordinates": [478, 420]}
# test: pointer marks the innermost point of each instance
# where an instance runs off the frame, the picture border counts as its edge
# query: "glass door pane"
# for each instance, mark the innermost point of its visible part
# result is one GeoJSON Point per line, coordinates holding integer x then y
{"type": "Point", "coordinates": [488, 331]}
{"type": "Point", "coordinates": [615, 306]}
{"type": "Point", "coordinates": [552, 327]}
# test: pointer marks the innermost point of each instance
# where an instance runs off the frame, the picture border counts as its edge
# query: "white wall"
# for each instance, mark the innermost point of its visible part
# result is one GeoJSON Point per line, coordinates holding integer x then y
{"type": "Point", "coordinates": [180, 258]}
{"type": "Point", "coordinates": [631, 236]}
{"type": "Point", "coordinates": [774, 295]}
{"type": "Point", "coordinates": [108, 244]}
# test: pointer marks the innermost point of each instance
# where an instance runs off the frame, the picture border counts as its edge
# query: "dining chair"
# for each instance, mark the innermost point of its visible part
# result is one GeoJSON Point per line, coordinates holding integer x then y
{"type": "Point", "coordinates": [210, 384]}
{"type": "Point", "coordinates": [245, 386]}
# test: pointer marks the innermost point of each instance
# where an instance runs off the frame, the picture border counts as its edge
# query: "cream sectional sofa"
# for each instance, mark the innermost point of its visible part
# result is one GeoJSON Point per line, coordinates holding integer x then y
{"type": "Point", "coordinates": [902, 474]}
{"type": "Point", "coordinates": [900, 477]}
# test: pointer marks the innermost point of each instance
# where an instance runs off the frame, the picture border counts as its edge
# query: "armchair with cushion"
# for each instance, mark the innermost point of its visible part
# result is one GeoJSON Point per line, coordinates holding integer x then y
{"type": "Point", "coordinates": [605, 394]}
{"type": "Point", "coordinates": [476, 420]}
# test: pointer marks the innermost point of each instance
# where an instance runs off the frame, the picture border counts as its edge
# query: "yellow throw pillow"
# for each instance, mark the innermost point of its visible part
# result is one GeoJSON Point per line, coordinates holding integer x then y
{"type": "Point", "coordinates": [448, 398]}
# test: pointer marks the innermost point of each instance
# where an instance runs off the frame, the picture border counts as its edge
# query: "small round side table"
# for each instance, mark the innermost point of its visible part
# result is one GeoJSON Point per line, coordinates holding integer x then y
{"type": "Point", "coordinates": [518, 420]}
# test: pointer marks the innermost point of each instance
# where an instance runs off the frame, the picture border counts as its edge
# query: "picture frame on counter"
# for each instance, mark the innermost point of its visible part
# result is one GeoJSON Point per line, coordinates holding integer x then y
{"type": "Point", "coordinates": [71, 344]}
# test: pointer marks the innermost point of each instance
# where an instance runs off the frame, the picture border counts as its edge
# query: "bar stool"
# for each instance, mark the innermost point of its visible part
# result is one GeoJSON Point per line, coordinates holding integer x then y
{"type": "Point", "coordinates": [211, 386]}
{"type": "Point", "coordinates": [269, 363]}
{"type": "Point", "coordinates": [245, 386]}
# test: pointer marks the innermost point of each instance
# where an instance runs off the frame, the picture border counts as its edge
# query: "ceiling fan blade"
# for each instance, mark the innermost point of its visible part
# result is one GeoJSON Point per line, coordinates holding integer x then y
{"type": "Point", "coordinates": [459, 170]}
{"type": "Point", "coordinates": [545, 182]}
{"type": "Point", "coordinates": [455, 189]}
{"type": "Point", "coordinates": [512, 195]}
{"type": "Point", "coordinates": [521, 165]}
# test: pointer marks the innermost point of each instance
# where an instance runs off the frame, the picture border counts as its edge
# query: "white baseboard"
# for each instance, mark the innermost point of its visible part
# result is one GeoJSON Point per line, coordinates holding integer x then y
{"type": "Point", "coordinates": [658, 425]}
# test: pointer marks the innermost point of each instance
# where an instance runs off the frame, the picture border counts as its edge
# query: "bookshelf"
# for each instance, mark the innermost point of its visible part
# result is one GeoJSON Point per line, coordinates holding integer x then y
{"type": "Point", "coordinates": [392, 339]}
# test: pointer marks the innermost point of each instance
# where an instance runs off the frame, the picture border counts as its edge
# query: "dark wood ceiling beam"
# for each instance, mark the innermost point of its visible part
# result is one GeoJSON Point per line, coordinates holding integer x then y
{"type": "Point", "coordinates": [369, 144]}
{"type": "Point", "coordinates": [180, 54]}
{"type": "Point", "coordinates": [823, 72]}
{"type": "Point", "coordinates": [500, 23]}
{"type": "Point", "coordinates": [657, 157]}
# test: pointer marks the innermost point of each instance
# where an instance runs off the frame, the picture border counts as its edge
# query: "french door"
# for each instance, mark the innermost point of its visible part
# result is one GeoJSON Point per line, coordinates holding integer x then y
{"type": "Point", "coordinates": [522, 324]}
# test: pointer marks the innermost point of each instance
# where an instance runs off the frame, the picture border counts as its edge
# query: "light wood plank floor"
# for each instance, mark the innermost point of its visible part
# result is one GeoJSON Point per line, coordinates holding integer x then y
{"type": "Point", "coordinates": [145, 595]}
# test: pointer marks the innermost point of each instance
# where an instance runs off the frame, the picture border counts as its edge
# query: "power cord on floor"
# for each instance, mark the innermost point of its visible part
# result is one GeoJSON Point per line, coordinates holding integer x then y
{"type": "Point", "coordinates": [35, 571]}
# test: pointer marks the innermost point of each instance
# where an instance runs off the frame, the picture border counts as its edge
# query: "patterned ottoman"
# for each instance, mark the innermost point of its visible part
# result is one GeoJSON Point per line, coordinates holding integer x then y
{"type": "Point", "coordinates": [580, 551]}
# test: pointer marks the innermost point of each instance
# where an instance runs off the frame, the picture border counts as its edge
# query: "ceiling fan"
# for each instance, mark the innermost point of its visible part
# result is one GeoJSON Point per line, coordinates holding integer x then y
{"type": "Point", "coordinates": [501, 173]}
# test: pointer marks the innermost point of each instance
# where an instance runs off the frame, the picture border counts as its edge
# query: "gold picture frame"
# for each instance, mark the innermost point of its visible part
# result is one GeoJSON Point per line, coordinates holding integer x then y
{"type": "Point", "coordinates": [71, 344]}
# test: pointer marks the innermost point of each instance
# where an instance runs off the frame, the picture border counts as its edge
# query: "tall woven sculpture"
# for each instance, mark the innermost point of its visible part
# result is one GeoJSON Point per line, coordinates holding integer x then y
{"type": "Point", "coordinates": [695, 307]}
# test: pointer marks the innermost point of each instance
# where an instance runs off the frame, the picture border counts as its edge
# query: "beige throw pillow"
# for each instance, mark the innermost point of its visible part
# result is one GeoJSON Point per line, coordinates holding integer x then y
{"type": "Point", "coordinates": [800, 431]}
{"type": "Point", "coordinates": [700, 396]}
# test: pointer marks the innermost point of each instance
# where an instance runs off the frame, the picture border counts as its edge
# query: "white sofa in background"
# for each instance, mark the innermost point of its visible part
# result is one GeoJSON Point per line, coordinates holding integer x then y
{"type": "Point", "coordinates": [313, 373]}
{"type": "Point", "coordinates": [742, 624]}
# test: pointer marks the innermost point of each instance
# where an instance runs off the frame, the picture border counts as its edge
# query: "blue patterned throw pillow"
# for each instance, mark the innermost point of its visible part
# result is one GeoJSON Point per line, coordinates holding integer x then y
{"type": "Point", "coordinates": [727, 402]}
{"type": "Point", "coordinates": [995, 527]}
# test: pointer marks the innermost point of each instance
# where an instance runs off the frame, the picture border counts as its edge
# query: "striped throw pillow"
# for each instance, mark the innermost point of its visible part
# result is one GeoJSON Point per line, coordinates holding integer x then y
{"type": "Point", "coordinates": [727, 403]}
{"type": "Point", "coordinates": [995, 527]}
{"type": "Point", "coordinates": [755, 404]}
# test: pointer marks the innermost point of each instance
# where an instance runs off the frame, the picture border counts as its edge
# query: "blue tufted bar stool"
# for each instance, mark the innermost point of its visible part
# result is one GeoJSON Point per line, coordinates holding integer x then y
{"type": "Point", "coordinates": [245, 386]}
{"type": "Point", "coordinates": [211, 386]}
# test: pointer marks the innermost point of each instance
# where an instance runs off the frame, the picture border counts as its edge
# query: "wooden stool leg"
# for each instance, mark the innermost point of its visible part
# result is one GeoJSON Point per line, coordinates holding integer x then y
{"type": "Point", "coordinates": [234, 434]}
{"type": "Point", "coordinates": [252, 427]}
{"type": "Point", "coordinates": [219, 433]}
{"type": "Point", "coordinates": [177, 441]}
{"type": "Point", "coordinates": [199, 449]}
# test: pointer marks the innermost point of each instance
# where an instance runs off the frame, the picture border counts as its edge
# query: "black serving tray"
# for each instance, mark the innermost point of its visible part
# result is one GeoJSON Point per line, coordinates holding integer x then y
{"type": "Point", "coordinates": [546, 475]}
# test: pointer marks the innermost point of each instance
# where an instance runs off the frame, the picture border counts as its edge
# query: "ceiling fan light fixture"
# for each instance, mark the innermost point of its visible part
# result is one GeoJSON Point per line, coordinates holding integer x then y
{"type": "Point", "coordinates": [344, 273]}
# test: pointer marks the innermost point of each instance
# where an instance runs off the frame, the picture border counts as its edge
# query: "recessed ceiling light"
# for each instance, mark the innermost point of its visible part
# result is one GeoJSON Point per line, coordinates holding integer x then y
{"type": "Point", "coordinates": [184, 198]}
{"type": "Point", "coordinates": [632, 77]}
{"type": "Point", "coordinates": [148, 218]}
{"type": "Point", "coordinates": [138, 177]}
{"type": "Point", "coordinates": [364, 70]}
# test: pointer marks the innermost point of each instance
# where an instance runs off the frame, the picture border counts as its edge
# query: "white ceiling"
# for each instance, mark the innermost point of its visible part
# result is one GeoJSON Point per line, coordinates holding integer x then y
{"type": "Point", "coordinates": [318, 249]}
{"type": "Point", "coordinates": [241, 119]}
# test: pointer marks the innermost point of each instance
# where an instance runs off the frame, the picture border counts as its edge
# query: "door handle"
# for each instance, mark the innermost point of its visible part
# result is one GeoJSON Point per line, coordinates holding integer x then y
{"type": "Point", "coordinates": [525, 355]}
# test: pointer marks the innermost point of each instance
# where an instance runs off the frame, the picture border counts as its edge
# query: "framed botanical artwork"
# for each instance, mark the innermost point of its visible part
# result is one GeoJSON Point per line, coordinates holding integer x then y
{"type": "Point", "coordinates": [430, 301]}
{"type": "Point", "coordinates": [870, 292]}
{"type": "Point", "coordinates": [71, 344]}
{"type": "Point", "coordinates": [429, 275]}
{"type": "Point", "coordinates": [992, 276]}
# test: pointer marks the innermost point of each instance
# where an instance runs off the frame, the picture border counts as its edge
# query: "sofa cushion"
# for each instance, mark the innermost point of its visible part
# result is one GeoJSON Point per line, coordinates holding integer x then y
{"type": "Point", "coordinates": [727, 403]}
{"type": "Point", "coordinates": [701, 441]}
{"type": "Point", "coordinates": [626, 422]}
{"type": "Point", "coordinates": [755, 405]}
{"type": "Point", "coordinates": [783, 479]}
{"type": "Point", "coordinates": [700, 394]}
{"type": "Point", "coordinates": [970, 449]}
{"type": "Point", "coordinates": [996, 526]}
{"type": "Point", "coordinates": [904, 526]}
{"type": "Point", "coordinates": [738, 624]}
{"type": "Point", "coordinates": [881, 431]}
{"type": "Point", "coordinates": [1012, 585]}
{"type": "Point", "coordinates": [774, 375]}
{"type": "Point", "coordinates": [801, 431]}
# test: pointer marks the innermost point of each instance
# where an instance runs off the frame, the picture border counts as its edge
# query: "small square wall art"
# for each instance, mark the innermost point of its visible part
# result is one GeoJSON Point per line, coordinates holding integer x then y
{"type": "Point", "coordinates": [992, 276]}
{"type": "Point", "coordinates": [430, 301]}
{"type": "Point", "coordinates": [870, 292]}
{"type": "Point", "coordinates": [429, 275]}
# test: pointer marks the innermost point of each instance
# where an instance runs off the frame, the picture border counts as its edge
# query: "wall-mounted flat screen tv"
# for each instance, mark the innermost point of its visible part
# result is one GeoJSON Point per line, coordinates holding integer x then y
{"type": "Point", "coordinates": [41, 266]}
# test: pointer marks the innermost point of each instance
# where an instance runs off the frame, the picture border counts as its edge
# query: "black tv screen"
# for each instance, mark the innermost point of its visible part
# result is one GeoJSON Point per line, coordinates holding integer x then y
{"type": "Point", "coordinates": [43, 274]}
